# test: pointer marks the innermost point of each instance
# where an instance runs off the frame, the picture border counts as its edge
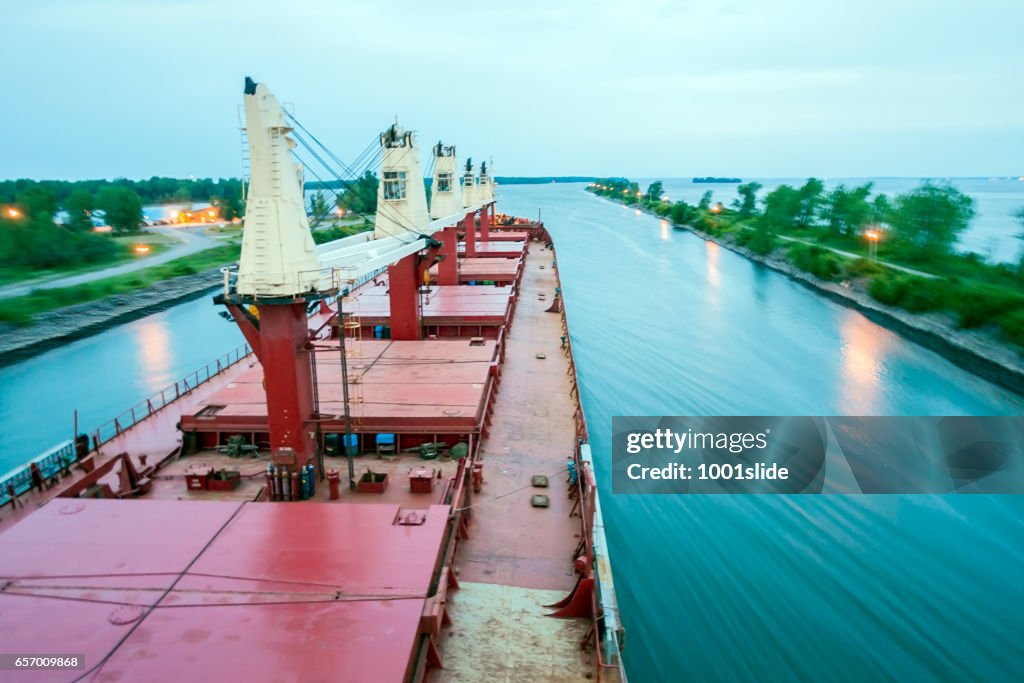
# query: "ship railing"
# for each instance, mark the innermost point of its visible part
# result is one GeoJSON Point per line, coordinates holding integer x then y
{"type": "Point", "coordinates": [166, 396]}
{"type": "Point", "coordinates": [335, 279]}
{"type": "Point", "coordinates": [49, 463]}
{"type": "Point", "coordinates": [608, 629]}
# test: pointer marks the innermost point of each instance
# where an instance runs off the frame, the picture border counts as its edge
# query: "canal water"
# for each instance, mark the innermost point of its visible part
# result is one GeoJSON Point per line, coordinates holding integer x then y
{"type": "Point", "coordinates": [103, 375]}
{"type": "Point", "coordinates": [712, 588]}
{"type": "Point", "coordinates": [775, 588]}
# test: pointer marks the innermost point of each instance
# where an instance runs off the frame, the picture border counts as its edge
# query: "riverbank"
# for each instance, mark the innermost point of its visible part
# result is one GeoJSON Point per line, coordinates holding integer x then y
{"type": "Point", "coordinates": [54, 328]}
{"type": "Point", "coordinates": [977, 350]}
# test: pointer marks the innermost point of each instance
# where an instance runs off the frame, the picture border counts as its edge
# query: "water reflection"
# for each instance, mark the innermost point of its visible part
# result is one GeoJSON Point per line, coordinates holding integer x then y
{"type": "Point", "coordinates": [154, 352]}
{"type": "Point", "coordinates": [711, 252]}
{"type": "Point", "coordinates": [864, 349]}
{"type": "Point", "coordinates": [664, 230]}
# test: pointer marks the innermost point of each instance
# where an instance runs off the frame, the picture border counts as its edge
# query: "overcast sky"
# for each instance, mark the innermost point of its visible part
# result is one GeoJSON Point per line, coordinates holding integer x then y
{"type": "Point", "coordinates": [750, 88]}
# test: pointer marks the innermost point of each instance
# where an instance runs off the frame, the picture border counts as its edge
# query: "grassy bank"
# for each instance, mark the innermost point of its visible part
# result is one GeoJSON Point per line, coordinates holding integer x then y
{"type": "Point", "coordinates": [123, 253]}
{"type": "Point", "coordinates": [975, 293]}
{"type": "Point", "coordinates": [20, 310]}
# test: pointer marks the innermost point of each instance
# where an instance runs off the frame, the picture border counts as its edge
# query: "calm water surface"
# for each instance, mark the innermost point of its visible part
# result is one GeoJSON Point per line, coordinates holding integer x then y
{"type": "Point", "coordinates": [776, 588]}
{"type": "Point", "coordinates": [713, 588]}
{"type": "Point", "coordinates": [104, 375]}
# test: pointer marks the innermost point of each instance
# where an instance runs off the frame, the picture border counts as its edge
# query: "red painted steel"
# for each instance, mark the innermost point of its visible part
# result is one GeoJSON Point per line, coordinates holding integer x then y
{"type": "Point", "coordinates": [485, 224]}
{"type": "Point", "coordinates": [405, 314]}
{"type": "Point", "coordinates": [288, 378]}
{"type": "Point", "coordinates": [169, 590]}
{"type": "Point", "coordinates": [469, 226]}
{"type": "Point", "coordinates": [448, 268]}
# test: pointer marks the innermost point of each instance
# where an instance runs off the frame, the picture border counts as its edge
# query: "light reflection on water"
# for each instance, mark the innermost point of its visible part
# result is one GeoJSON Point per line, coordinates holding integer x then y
{"type": "Point", "coordinates": [103, 375]}
{"type": "Point", "coordinates": [775, 588]}
{"type": "Point", "coordinates": [153, 343]}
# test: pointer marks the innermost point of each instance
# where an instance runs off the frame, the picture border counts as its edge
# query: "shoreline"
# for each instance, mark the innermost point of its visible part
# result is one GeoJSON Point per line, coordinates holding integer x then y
{"type": "Point", "coordinates": [54, 328]}
{"type": "Point", "coordinates": [978, 351]}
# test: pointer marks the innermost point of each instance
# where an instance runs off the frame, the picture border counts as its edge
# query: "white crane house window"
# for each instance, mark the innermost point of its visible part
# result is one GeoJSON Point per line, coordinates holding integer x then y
{"type": "Point", "coordinates": [444, 182]}
{"type": "Point", "coordinates": [394, 185]}
{"type": "Point", "coordinates": [467, 180]}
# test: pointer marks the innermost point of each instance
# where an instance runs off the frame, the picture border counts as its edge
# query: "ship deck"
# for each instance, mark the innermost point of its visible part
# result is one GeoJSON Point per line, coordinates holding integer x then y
{"type": "Point", "coordinates": [507, 248]}
{"type": "Point", "coordinates": [214, 580]}
{"type": "Point", "coordinates": [431, 386]}
{"type": "Point", "coordinates": [463, 306]}
{"type": "Point", "coordinates": [497, 270]}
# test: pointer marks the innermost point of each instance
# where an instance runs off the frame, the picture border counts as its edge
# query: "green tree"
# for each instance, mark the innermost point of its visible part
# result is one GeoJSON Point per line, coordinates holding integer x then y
{"type": "Point", "coordinates": [782, 207]}
{"type": "Point", "coordinates": [230, 206]}
{"type": "Point", "coordinates": [881, 209]}
{"type": "Point", "coordinates": [318, 208]}
{"type": "Point", "coordinates": [121, 207]}
{"type": "Point", "coordinates": [682, 213]}
{"type": "Point", "coordinates": [655, 190]}
{"type": "Point", "coordinates": [746, 205]}
{"type": "Point", "coordinates": [848, 211]}
{"type": "Point", "coordinates": [928, 220]}
{"type": "Point", "coordinates": [705, 201]}
{"type": "Point", "coordinates": [809, 198]}
{"type": "Point", "coordinates": [360, 196]}
{"type": "Point", "coordinates": [37, 200]}
{"type": "Point", "coordinates": [79, 206]}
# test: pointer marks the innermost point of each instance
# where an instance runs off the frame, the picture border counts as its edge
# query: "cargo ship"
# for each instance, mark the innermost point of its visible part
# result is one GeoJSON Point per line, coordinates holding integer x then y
{"type": "Point", "coordinates": [390, 481]}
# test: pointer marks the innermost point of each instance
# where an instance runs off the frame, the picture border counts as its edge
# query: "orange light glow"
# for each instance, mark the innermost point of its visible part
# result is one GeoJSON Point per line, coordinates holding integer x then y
{"type": "Point", "coordinates": [141, 249]}
{"type": "Point", "coordinates": [716, 208]}
{"type": "Point", "coordinates": [102, 228]}
{"type": "Point", "coordinates": [211, 213]}
{"type": "Point", "coordinates": [13, 212]}
{"type": "Point", "coordinates": [872, 235]}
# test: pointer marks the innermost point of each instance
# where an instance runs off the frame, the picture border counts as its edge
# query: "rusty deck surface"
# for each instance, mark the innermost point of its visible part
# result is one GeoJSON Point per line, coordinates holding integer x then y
{"type": "Point", "coordinates": [532, 433]}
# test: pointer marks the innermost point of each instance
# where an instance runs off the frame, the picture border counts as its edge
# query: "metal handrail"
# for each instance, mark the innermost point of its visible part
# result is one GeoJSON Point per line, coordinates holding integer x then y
{"type": "Point", "coordinates": [140, 411]}
{"type": "Point", "coordinates": [329, 279]}
{"type": "Point", "coordinates": [49, 463]}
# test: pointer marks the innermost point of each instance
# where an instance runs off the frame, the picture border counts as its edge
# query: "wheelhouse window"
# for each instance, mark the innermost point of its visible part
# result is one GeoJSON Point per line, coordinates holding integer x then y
{"type": "Point", "coordinates": [394, 185]}
{"type": "Point", "coordinates": [467, 180]}
{"type": "Point", "coordinates": [444, 182]}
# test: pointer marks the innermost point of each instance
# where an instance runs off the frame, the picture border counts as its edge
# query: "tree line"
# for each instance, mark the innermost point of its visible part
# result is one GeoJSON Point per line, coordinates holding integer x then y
{"type": "Point", "coordinates": [155, 190]}
{"type": "Point", "coordinates": [918, 225]}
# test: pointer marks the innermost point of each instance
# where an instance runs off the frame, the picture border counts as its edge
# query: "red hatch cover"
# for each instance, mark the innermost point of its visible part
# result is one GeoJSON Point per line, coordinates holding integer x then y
{"type": "Point", "coordinates": [220, 590]}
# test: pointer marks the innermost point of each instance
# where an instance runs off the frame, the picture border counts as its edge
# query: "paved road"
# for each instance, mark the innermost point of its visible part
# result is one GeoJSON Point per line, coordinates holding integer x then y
{"type": "Point", "coordinates": [850, 254]}
{"type": "Point", "coordinates": [192, 240]}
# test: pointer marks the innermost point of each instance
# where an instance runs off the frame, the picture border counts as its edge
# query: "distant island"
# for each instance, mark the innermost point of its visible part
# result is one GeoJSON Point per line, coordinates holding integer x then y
{"type": "Point", "coordinates": [711, 179]}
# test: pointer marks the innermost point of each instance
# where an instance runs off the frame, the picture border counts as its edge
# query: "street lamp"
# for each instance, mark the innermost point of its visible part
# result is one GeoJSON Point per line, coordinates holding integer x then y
{"type": "Point", "coordinates": [873, 236]}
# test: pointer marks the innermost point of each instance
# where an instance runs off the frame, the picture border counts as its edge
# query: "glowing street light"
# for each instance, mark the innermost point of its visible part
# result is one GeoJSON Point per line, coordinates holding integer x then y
{"type": "Point", "coordinates": [142, 249]}
{"type": "Point", "coordinates": [13, 212]}
{"type": "Point", "coordinates": [717, 208]}
{"type": "Point", "coordinates": [873, 236]}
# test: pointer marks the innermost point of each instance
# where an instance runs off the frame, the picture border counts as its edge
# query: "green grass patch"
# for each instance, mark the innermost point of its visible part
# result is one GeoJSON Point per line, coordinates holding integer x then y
{"type": "Point", "coordinates": [816, 260]}
{"type": "Point", "coordinates": [20, 310]}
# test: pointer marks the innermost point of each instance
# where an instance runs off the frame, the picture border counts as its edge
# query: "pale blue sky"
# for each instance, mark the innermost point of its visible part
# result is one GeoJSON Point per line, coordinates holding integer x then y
{"type": "Point", "coordinates": [782, 88]}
